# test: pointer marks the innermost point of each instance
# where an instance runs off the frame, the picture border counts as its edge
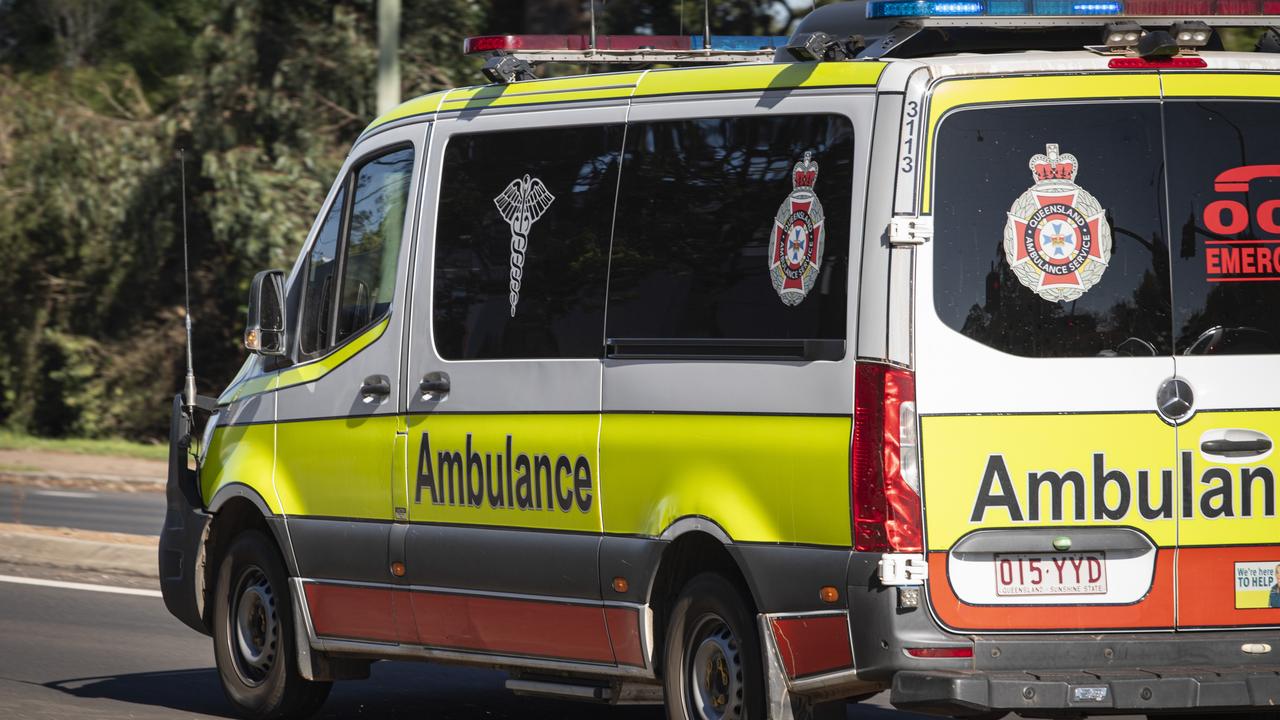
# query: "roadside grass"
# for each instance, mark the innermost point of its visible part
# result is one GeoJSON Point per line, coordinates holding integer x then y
{"type": "Point", "coordinates": [10, 440]}
{"type": "Point", "coordinates": [19, 468]}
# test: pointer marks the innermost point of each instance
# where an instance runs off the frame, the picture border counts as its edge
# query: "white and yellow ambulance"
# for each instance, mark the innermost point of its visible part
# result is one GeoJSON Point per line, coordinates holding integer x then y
{"type": "Point", "coordinates": [939, 354]}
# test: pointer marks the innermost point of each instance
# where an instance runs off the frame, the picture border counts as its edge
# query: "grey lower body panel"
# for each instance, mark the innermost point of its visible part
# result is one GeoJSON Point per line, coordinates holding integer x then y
{"type": "Point", "coordinates": [354, 550]}
{"type": "Point", "coordinates": [788, 578]}
{"type": "Point", "coordinates": [528, 562]}
{"type": "Point", "coordinates": [962, 692]}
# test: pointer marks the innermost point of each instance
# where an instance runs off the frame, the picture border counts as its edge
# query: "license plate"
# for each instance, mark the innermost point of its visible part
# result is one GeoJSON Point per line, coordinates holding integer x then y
{"type": "Point", "coordinates": [1051, 574]}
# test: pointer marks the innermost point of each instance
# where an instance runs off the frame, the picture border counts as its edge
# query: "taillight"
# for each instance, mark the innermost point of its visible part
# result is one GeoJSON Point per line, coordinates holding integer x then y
{"type": "Point", "coordinates": [885, 461]}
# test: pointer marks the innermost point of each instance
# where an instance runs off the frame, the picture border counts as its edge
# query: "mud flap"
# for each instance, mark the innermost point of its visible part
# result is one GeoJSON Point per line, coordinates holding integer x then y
{"type": "Point", "coordinates": [780, 702]}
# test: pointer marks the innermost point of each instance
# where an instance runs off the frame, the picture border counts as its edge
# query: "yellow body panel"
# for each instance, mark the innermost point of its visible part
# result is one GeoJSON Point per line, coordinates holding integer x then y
{"type": "Point", "coordinates": [551, 90]}
{"type": "Point", "coordinates": [444, 487]}
{"type": "Point", "coordinates": [337, 468]}
{"type": "Point", "coordinates": [783, 76]}
{"type": "Point", "coordinates": [952, 94]}
{"type": "Point", "coordinates": [304, 373]}
{"type": "Point", "coordinates": [242, 454]}
{"type": "Point", "coordinates": [422, 105]}
{"type": "Point", "coordinates": [1221, 85]}
{"type": "Point", "coordinates": [759, 77]}
{"type": "Point", "coordinates": [1223, 515]}
{"type": "Point", "coordinates": [959, 452]}
{"type": "Point", "coordinates": [762, 478]}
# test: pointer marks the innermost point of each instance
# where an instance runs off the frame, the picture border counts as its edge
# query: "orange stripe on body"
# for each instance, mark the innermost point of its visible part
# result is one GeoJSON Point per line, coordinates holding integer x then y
{"type": "Point", "coordinates": [1206, 593]}
{"type": "Point", "coordinates": [1153, 611]}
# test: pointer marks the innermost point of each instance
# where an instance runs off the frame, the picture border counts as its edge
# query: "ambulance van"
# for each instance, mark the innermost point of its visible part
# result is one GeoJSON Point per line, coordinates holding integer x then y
{"type": "Point", "coordinates": [933, 350]}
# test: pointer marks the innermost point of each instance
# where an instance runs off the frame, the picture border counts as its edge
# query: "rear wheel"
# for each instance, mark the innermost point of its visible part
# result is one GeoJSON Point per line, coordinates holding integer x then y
{"type": "Point", "coordinates": [253, 638]}
{"type": "Point", "coordinates": [713, 665]}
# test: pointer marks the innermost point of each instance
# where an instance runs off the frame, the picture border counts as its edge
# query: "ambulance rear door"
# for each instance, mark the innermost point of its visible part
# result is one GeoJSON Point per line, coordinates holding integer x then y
{"type": "Point", "coordinates": [1224, 212]}
{"type": "Point", "coordinates": [1043, 341]}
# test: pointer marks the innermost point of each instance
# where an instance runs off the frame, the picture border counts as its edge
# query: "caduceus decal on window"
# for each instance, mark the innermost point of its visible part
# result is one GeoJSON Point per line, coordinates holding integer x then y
{"type": "Point", "coordinates": [521, 204]}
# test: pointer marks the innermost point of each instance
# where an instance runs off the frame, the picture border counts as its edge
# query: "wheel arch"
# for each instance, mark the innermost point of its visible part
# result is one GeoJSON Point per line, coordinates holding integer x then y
{"type": "Point", "coordinates": [236, 508]}
{"type": "Point", "coordinates": [693, 545]}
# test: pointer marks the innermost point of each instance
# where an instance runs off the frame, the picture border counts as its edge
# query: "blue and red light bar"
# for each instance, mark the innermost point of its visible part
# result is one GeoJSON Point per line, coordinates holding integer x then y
{"type": "Point", "coordinates": [615, 43]}
{"type": "Point", "coordinates": [1181, 9]}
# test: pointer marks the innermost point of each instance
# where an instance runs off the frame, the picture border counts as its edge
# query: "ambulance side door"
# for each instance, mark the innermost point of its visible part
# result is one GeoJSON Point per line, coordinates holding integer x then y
{"type": "Point", "coordinates": [337, 405]}
{"type": "Point", "coordinates": [1224, 207]}
{"type": "Point", "coordinates": [504, 383]}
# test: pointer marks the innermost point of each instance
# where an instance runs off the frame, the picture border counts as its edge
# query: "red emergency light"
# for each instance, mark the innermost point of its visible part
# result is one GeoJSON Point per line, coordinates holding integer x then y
{"type": "Point", "coordinates": [620, 43]}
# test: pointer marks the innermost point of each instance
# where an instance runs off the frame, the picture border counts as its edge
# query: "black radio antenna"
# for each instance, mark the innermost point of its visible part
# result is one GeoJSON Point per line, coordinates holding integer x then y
{"type": "Point", "coordinates": [189, 386]}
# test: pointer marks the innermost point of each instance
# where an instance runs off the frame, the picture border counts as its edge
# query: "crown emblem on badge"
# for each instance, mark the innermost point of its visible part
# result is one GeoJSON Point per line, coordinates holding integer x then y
{"type": "Point", "coordinates": [795, 247]}
{"type": "Point", "coordinates": [805, 173]}
{"type": "Point", "coordinates": [1056, 239]}
{"type": "Point", "coordinates": [1052, 166]}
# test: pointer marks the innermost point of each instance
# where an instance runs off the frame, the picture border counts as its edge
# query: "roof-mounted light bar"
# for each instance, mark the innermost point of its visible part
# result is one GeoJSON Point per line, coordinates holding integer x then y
{"type": "Point", "coordinates": [1238, 12]}
{"type": "Point", "coordinates": [629, 49]}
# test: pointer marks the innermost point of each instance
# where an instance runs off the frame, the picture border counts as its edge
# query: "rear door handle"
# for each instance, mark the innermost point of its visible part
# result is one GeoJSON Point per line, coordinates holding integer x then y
{"type": "Point", "coordinates": [375, 388]}
{"type": "Point", "coordinates": [434, 386]}
{"type": "Point", "coordinates": [1235, 447]}
{"type": "Point", "coordinates": [1235, 443]}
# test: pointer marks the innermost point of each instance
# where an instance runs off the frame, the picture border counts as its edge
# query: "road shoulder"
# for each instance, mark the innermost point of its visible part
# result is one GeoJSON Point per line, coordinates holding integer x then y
{"type": "Point", "coordinates": [83, 556]}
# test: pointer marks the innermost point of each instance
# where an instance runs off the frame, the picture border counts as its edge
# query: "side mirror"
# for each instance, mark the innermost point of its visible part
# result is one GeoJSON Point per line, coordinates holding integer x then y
{"type": "Point", "coordinates": [264, 334]}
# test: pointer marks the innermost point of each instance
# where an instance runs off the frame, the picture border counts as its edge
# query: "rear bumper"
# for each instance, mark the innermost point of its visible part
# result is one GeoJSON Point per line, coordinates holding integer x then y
{"type": "Point", "coordinates": [960, 692]}
{"type": "Point", "coordinates": [1054, 674]}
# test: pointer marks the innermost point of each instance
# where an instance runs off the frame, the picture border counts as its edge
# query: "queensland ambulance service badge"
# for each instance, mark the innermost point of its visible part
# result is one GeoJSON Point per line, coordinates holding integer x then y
{"type": "Point", "coordinates": [1057, 239]}
{"type": "Point", "coordinates": [795, 250]}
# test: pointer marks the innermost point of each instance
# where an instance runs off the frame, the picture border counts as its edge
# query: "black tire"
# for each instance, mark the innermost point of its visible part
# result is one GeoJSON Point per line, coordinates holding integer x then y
{"type": "Point", "coordinates": [253, 636]}
{"type": "Point", "coordinates": [712, 632]}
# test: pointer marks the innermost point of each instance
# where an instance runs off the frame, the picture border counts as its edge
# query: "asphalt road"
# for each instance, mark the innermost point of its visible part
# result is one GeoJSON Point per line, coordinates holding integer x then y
{"type": "Point", "coordinates": [68, 653]}
{"type": "Point", "coordinates": [71, 653]}
{"type": "Point", "coordinates": [139, 513]}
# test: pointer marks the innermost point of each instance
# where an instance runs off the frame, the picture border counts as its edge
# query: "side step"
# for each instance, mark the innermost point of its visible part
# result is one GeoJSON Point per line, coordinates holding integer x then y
{"type": "Point", "coordinates": [615, 694]}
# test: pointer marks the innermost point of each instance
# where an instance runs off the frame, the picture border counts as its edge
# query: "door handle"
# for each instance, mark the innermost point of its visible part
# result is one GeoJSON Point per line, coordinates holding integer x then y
{"type": "Point", "coordinates": [1235, 447]}
{"type": "Point", "coordinates": [375, 388]}
{"type": "Point", "coordinates": [1235, 443]}
{"type": "Point", "coordinates": [434, 386]}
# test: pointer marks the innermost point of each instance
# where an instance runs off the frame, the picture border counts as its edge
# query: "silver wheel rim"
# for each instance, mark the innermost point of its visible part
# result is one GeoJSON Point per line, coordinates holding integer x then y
{"type": "Point", "coordinates": [255, 627]}
{"type": "Point", "coordinates": [715, 670]}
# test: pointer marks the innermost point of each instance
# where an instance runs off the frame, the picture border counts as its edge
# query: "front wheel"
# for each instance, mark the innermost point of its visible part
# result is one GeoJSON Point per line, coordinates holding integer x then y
{"type": "Point", "coordinates": [714, 669]}
{"type": "Point", "coordinates": [253, 635]}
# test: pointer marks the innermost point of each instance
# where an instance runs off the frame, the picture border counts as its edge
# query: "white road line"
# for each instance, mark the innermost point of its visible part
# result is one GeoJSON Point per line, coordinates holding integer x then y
{"type": "Point", "coordinates": [64, 494]}
{"type": "Point", "coordinates": [17, 580]}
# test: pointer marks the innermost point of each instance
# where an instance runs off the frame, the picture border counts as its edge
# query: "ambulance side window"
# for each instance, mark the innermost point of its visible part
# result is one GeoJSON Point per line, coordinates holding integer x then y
{"type": "Point", "coordinates": [1224, 203]}
{"type": "Point", "coordinates": [351, 268]}
{"type": "Point", "coordinates": [1075, 266]}
{"type": "Point", "coordinates": [702, 205]}
{"type": "Point", "coordinates": [321, 279]}
{"type": "Point", "coordinates": [522, 243]}
{"type": "Point", "coordinates": [379, 202]}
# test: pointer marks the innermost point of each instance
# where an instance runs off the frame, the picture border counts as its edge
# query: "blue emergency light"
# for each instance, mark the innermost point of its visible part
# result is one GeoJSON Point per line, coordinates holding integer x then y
{"type": "Point", "coordinates": [1068, 8]}
{"type": "Point", "coordinates": [739, 43]}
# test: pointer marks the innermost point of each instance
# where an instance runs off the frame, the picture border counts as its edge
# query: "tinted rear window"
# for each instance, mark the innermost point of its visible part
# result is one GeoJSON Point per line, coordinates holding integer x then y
{"type": "Point", "coordinates": [1073, 266]}
{"type": "Point", "coordinates": [1224, 201]}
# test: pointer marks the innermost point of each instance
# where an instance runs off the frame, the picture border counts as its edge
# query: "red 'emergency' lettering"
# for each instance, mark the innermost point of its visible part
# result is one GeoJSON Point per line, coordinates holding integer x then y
{"type": "Point", "coordinates": [1242, 257]}
{"type": "Point", "coordinates": [1267, 217]}
{"type": "Point", "coordinates": [1237, 221]}
{"type": "Point", "coordinates": [1226, 260]}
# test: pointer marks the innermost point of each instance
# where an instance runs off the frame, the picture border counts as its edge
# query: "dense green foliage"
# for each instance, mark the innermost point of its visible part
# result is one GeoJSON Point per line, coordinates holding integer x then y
{"type": "Point", "coordinates": [97, 99]}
